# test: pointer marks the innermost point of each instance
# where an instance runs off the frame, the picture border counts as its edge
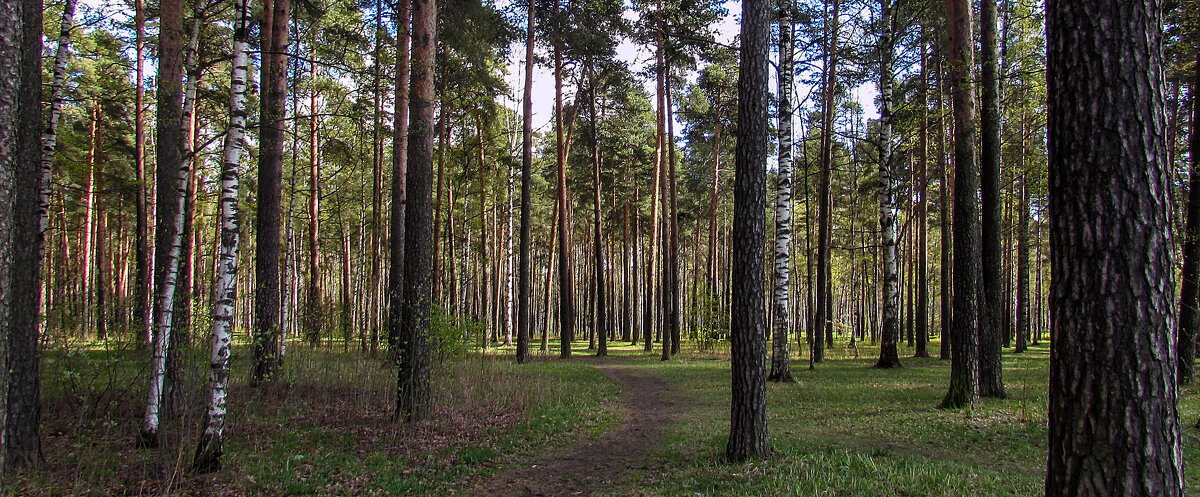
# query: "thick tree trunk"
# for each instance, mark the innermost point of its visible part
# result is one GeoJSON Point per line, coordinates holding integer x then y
{"type": "Point", "coordinates": [413, 395]}
{"type": "Point", "coordinates": [566, 278]}
{"type": "Point", "coordinates": [964, 371]}
{"type": "Point", "coordinates": [397, 232]}
{"type": "Point", "coordinates": [781, 318]}
{"type": "Point", "coordinates": [172, 179]}
{"type": "Point", "coordinates": [1114, 415]}
{"type": "Point", "coordinates": [748, 416]}
{"type": "Point", "coordinates": [525, 279]}
{"type": "Point", "coordinates": [270, 188]}
{"type": "Point", "coordinates": [211, 444]}
{"type": "Point", "coordinates": [21, 236]}
{"type": "Point", "coordinates": [888, 210]}
{"type": "Point", "coordinates": [991, 307]}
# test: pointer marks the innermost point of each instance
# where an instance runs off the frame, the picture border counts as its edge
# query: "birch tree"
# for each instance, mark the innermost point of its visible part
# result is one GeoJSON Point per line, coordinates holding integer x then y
{"type": "Point", "coordinates": [888, 210]}
{"type": "Point", "coordinates": [172, 183]}
{"type": "Point", "coordinates": [57, 96]}
{"type": "Point", "coordinates": [211, 446]}
{"type": "Point", "coordinates": [781, 318]}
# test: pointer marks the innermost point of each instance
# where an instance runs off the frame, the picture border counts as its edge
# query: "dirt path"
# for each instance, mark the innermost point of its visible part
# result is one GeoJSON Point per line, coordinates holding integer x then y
{"type": "Point", "coordinates": [649, 404]}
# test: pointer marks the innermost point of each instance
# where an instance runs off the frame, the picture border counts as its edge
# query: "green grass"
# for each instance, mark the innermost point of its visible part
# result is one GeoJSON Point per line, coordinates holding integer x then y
{"type": "Point", "coordinates": [842, 429]}
{"type": "Point", "coordinates": [323, 428]}
{"type": "Point", "coordinates": [846, 429]}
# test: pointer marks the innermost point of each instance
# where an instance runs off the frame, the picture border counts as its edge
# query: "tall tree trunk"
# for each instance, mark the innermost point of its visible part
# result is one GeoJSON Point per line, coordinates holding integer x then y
{"type": "Point", "coordinates": [1114, 415]}
{"type": "Point", "coordinates": [378, 236]}
{"type": "Point", "coordinates": [314, 321]}
{"type": "Point", "coordinates": [270, 188]}
{"type": "Point", "coordinates": [172, 179]}
{"type": "Point", "coordinates": [823, 320]}
{"type": "Point", "coordinates": [889, 212]}
{"type": "Point", "coordinates": [781, 319]}
{"type": "Point", "coordinates": [991, 307]}
{"type": "Point", "coordinates": [525, 283]}
{"type": "Point", "coordinates": [88, 232]}
{"type": "Point", "coordinates": [947, 274]}
{"type": "Point", "coordinates": [1189, 303]}
{"type": "Point", "coordinates": [211, 444]}
{"type": "Point", "coordinates": [1023, 306]}
{"type": "Point", "coordinates": [713, 200]}
{"type": "Point", "coordinates": [142, 306]}
{"type": "Point", "coordinates": [412, 390]}
{"type": "Point", "coordinates": [397, 243]}
{"type": "Point", "coordinates": [921, 213]}
{"type": "Point", "coordinates": [964, 371]}
{"type": "Point", "coordinates": [21, 237]}
{"type": "Point", "coordinates": [602, 326]}
{"type": "Point", "coordinates": [748, 417]}
{"type": "Point", "coordinates": [57, 97]}
{"type": "Point", "coordinates": [566, 278]}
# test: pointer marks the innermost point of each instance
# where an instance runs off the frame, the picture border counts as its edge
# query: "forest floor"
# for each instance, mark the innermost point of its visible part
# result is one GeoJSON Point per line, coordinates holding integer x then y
{"type": "Point", "coordinates": [648, 405]}
{"type": "Point", "coordinates": [624, 425]}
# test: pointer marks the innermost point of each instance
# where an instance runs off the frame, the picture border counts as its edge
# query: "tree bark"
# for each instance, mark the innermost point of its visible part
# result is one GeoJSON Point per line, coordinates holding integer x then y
{"type": "Point", "coordinates": [21, 236]}
{"type": "Point", "coordinates": [211, 444]}
{"type": "Point", "coordinates": [823, 320]}
{"type": "Point", "coordinates": [566, 278]}
{"type": "Point", "coordinates": [781, 318]}
{"type": "Point", "coordinates": [888, 209]}
{"type": "Point", "coordinates": [964, 370]}
{"type": "Point", "coordinates": [270, 188]}
{"type": "Point", "coordinates": [413, 395]}
{"type": "Point", "coordinates": [172, 178]}
{"type": "Point", "coordinates": [991, 307]}
{"type": "Point", "coordinates": [1114, 419]}
{"type": "Point", "coordinates": [397, 243]}
{"type": "Point", "coordinates": [525, 280]}
{"type": "Point", "coordinates": [921, 212]}
{"type": "Point", "coordinates": [748, 409]}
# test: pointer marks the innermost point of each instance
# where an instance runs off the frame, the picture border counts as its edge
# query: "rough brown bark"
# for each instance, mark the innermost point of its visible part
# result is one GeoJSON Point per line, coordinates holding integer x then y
{"type": "Point", "coordinates": [20, 150]}
{"type": "Point", "coordinates": [748, 409]}
{"type": "Point", "coordinates": [525, 278]}
{"type": "Point", "coordinates": [397, 219]}
{"type": "Point", "coordinates": [270, 190]}
{"type": "Point", "coordinates": [1114, 420]}
{"type": "Point", "coordinates": [413, 395]}
{"type": "Point", "coordinates": [992, 305]}
{"type": "Point", "coordinates": [964, 369]}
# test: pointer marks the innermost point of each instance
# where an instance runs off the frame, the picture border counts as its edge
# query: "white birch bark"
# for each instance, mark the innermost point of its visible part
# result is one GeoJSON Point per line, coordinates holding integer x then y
{"type": "Point", "coordinates": [781, 318]}
{"type": "Point", "coordinates": [888, 210]}
{"type": "Point", "coordinates": [166, 302]}
{"type": "Point", "coordinates": [210, 448]}
{"type": "Point", "coordinates": [57, 91]}
{"type": "Point", "coordinates": [508, 286]}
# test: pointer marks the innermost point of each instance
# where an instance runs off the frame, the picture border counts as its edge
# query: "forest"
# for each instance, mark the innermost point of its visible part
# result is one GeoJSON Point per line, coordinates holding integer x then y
{"type": "Point", "coordinates": [597, 247]}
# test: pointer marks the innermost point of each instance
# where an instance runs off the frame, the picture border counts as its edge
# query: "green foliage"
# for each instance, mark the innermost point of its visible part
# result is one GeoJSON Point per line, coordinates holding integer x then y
{"type": "Point", "coordinates": [453, 336]}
